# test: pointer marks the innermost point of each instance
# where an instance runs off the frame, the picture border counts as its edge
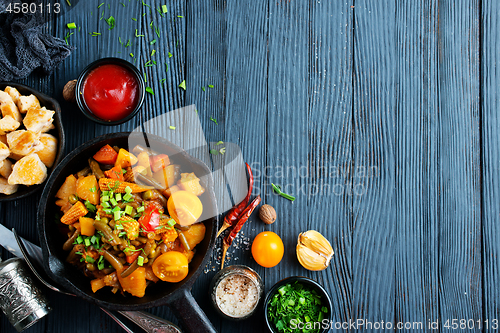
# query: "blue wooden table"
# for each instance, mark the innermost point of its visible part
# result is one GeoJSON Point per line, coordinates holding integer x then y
{"type": "Point", "coordinates": [381, 117]}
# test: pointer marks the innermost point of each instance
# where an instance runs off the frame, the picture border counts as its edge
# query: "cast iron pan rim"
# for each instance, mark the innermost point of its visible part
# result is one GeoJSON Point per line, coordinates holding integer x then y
{"type": "Point", "coordinates": [178, 292]}
{"type": "Point", "coordinates": [60, 144]}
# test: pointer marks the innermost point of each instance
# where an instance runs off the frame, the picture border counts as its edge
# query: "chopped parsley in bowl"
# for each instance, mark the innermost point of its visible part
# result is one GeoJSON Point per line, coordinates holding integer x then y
{"type": "Point", "coordinates": [298, 304]}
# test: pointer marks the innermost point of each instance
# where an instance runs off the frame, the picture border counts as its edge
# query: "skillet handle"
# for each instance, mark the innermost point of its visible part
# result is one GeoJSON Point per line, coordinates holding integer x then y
{"type": "Point", "coordinates": [193, 319]}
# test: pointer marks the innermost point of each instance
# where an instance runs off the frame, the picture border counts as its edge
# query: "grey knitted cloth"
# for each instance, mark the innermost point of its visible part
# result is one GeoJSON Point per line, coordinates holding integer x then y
{"type": "Point", "coordinates": [24, 47]}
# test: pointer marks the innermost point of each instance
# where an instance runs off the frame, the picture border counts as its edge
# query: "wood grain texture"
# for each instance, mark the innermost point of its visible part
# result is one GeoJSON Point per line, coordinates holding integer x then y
{"type": "Point", "coordinates": [417, 167]}
{"type": "Point", "coordinates": [490, 144]}
{"type": "Point", "coordinates": [374, 225]}
{"type": "Point", "coordinates": [459, 162]}
{"type": "Point", "coordinates": [330, 136]}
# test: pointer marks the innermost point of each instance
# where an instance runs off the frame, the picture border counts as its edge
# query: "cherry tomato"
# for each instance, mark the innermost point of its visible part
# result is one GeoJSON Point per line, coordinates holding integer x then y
{"type": "Point", "coordinates": [172, 266]}
{"type": "Point", "coordinates": [267, 249]}
{"type": "Point", "coordinates": [184, 207]}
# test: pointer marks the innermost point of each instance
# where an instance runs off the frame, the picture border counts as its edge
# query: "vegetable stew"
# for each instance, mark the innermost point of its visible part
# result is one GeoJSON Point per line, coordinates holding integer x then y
{"type": "Point", "coordinates": [131, 219]}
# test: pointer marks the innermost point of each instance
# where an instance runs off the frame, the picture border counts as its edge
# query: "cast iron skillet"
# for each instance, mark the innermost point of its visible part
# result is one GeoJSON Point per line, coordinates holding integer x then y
{"type": "Point", "coordinates": [176, 295]}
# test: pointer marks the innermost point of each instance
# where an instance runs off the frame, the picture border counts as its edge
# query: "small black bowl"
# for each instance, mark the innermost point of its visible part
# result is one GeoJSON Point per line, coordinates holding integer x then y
{"type": "Point", "coordinates": [51, 104]}
{"type": "Point", "coordinates": [325, 298]}
{"type": "Point", "coordinates": [116, 61]}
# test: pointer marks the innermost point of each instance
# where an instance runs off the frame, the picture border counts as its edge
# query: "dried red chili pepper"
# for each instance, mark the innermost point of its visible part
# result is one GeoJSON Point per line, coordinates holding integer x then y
{"type": "Point", "coordinates": [232, 216]}
{"type": "Point", "coordinates": [228, 240]}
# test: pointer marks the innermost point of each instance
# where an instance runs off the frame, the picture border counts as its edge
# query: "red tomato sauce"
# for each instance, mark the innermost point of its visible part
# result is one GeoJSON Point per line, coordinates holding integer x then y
{"type": "Point", "coordinates": [111, 92]}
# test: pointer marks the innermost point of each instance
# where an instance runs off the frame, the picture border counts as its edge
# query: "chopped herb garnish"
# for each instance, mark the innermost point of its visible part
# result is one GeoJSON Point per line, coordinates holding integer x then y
{"type": "Point", "coordinates": [69, 3]}
{"type": "Point", "coordinates": [203, 88]}
{"type": "Point", "coordinates": [214, 120]}
{"type": "Point", "coordinates": [210, 85]}
{"type": "Point", "coordinates": [145, 78]}
{"type": "Point", "coordinates": [117, 215]}
{"type": "Point", "coordinates": [95, 34]}
{"type": "Point", "coordinates": [219, 143]}
{"type": "Point", "coordinates": [222, 150]}
{"type": "Point", "coordinates": [140, 209]}
{"type": "Point", "coordinates": [164, 9]}
{"type": "Point", "coordinates": [71, 25]}
{"type": "Point", "coordinates": [136, 35]}
{"type": "Point", "coordinates": [152, 42]}
{"type": "Point", "coordinates": [122, 4]}
{"type": "Point", "coordinates": [133, 18]}
{"type": "Point", "coordinates": [132, 55]}
{"type": "Point", "coordinates": [93, 189]}
{"type": "Point", "coordinates": [127, 197]}
{"type": "Point", "coordinates": [153, 53]}
{"type": "Point", "coordinates": [89, 259]}
{"type": "Point", "coordinates": [118, 197]}
{"type": "Point", "coordinates": [128, 210]}
{"type": "Point", "coordinates": [128, 44]}
{"type": "Point", "coordinates": [90, 206]}
{"type": "Point", "coordinates": [172, 127]}
{"type": "Point", "coordinates": [214, 152]}
{"type": "Point", "coordinates": [67, 37]}
{"type": "Point", "coordinates": [171, 222]}
{"type": "Point", "coordinates": [120, 40]}
{"type": "Point", "coordinates": [183, 85]}
{"type": "Point", "coordinates": [100, 5]}
{"type": "Point", "coordinates": [87, 242]}
{"type": "Point", "coordinates": [150, 90]}
{"type": "Point", "coordinates": [111, 22]}
{"type": "Point", "coordinates": [277, 190]}
{"type": "Point", "coordinates": [157, 32]}
{"type": "Point", "coordinates": [128, 190]}
{"type": "Point", "coordinates": [100, 263]}
{"type": "Point", "coordinates": [140, 260]}
{"type": "Point", "coordinates": [162, 81]}
{"type": "Point", "coordinates": [170, 55]}
{"type": "Point", "coordinates": [180, 16]}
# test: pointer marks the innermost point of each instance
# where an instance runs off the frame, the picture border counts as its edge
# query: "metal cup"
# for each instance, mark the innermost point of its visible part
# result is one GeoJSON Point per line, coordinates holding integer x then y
{"type": "Point", "coordinates": [20, 299]}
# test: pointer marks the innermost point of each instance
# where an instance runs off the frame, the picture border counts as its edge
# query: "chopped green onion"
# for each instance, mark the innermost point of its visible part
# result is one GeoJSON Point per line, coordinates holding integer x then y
{"type": "Point", "coordinates": [79, 240]}
{"type": "Point", "coordinates": [113, 201]}
{"type": "Point", "coordinates": [132, 55]}
{"type": "Point", "coordinates": [203, 88]}
{"type": "Point", "coordinates": [128, 190]}
{"type": "Point", "coordinates": [87, 242]}
{"type": "Point", "coordinates": [128, 44]}
{"type": "Point", "coordinates": [106, 204]}
{"type": "Point", "coordinates": [89, 259]}
{"type": "Point", "coordinates": [111, 22]}
{"type": "Point", "coordinates": [277, 190]}
{"type": "Point", "coordinates": [145, 79]}
{"type": "Point", "coordinates": [164, 9]}
{"type": "Point", "coordinates": [153, 52]}
{"type": "Point", "coordinates": [133, 18]}
{"type": "Point", "coordinates": [219, 143]}
{"type": "Point", "coordinates": [214, 120]}
{"type": "Point", "coordinates": [115, 209]}
{"type": "Point", "coordinates": [214, 152]}
{"type": "Point", "coordinates": [150, 90]}
{"type": "Point", "coordinates": [122, 4]}
{"type": "Point", "coordinates": [140, 260]}
{"type": "Point", "coordinates": [222, 150]}
{"type": "Point", "coordinates": [210, 85]}
{"type": "Point", "coordinates": [180, 16]}
{"type": "Point", "coordinates": [71, 25]}
{"type": "Point", "coordinates": [162, 81]}
{"type": "Point", "coordinates": [105, 198]}
{"type": "Point", "coordinates": [170, 55]}
{"type": "Point", "coordinates": [140, 209]}
{"type": "Point", "coordinates": [117, 215]}
{"type": "Point", "coordinates": [136, 35]}
{"type": "Point", "coordinates": [171, 222]}
{"type": "Point", "coordinates": [152, 42]}
{"type": "Point", "coordinates": [128, 210]}
{"type": "Point", "coordinates": [100, 263]}
{"type": "Point", "coordinates": [69, 3]}
{"type": "Point", "coordinates": [118, 197]}
{"type": "Point", "coordinates": [119, 226]}
{"type": "Point", "coordinates": [157, 32]}
{"type": "Point", "coordinates": [100, 5]}
{"type": "Point", "coordinates": [90, 206]}
{"type": "Point", "coordinates": [183, 85]}
{"type": "Point", "coordinates": [172, 127]}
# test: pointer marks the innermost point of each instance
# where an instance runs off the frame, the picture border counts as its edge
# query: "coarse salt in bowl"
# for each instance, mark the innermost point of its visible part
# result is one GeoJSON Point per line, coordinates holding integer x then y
{"type": "Point", "coordinates": [236, 292]}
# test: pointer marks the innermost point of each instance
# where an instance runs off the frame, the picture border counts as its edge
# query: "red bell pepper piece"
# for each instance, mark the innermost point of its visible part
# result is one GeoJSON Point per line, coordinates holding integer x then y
{"type": "Point", "coordinates": [150, 219]}
{"type": "Point", "coordinates": [159, 162]}
{"type": "Point", "coordinates": [106, 155]}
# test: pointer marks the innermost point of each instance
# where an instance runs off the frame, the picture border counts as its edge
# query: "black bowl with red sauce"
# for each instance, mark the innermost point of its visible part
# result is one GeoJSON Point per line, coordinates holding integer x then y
{"type": "Point", "coordinates": [110, 91]}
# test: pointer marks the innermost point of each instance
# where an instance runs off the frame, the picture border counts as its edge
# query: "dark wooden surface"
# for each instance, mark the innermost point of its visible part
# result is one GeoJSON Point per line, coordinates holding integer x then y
{"type": "Point", "coordinates": [389, 109]}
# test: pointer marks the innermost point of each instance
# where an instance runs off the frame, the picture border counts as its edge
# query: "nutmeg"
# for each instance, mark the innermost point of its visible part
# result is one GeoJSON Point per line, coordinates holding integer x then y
{"type": "Point", "coordinates": [69, 91]}
{"type": "Point", "coordinates": [267, 214]}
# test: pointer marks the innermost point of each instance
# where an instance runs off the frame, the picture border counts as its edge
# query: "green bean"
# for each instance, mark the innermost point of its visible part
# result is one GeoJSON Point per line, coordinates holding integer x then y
{"type": "Point", "coordinates": [148, 181]}
{"type": "Point", "coordinates": [84, 172]}
{"type": "Point", "coordinates": [184, 241]}
{"type": "Point", "coordinates": [73, 199]}
{"type": "Point", "coordinates": [112, 260]}
{"type": "Point", "coordinates": [96, 169]}
{"type": "Point", "coordinates": [147, 249]}
{"type": "Point", "coordinates": [108, 233]}
{"type": "Point", "coordinates": [68, 244]}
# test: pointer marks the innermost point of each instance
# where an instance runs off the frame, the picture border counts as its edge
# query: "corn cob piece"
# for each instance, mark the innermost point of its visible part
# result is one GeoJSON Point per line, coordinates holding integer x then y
{"type": "Point", "coordinates": [130, 226]}
{"type": "Point", "coordinates": [107, 184]}
{"type": "Point", "coordinates": [102, 213]}
{"type": "Point", "coordinates": [74, 213]}
{"type": "Point", "coordinates": [169, 235]}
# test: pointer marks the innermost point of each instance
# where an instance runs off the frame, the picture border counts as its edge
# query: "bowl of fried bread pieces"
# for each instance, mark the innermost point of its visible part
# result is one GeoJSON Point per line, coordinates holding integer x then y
{"type": "Point", "coordinates": [31, 139]}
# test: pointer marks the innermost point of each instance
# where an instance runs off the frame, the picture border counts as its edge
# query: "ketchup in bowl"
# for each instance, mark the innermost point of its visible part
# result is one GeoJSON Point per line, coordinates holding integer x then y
{"type": "Point", "coordinates": [111, 92]}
